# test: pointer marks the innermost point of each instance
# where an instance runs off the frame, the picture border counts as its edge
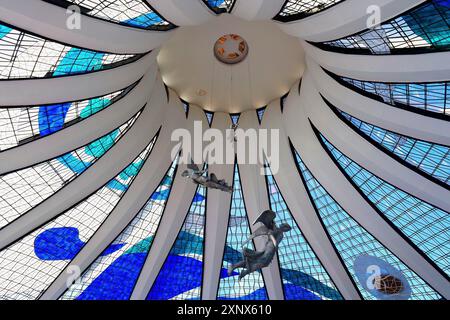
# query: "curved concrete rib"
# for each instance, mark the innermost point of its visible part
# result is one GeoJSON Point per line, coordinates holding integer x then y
{"type": "Point", "coordinates": [73, 88]}
{"type": "Point", "coordinates": [108, 166]}
{"type": "Point", "coordinates": [385, 68]}
{"type": "Point", "coordinates": [257, 9]}
{"type": "Point", "coordinates": [377, 113]}
{"type": "Point", "coordinates": [82, 132]}
{"type": "Point", "coordinates": [177, 208]}
{"type": "Point", "coordinates": [129, 206]}
{"type": "Point", "coordinates": [94, 34]}
{"type": "Point", "coordinates": [183, 12]}
{"type": "Point", "coordinates": [344, 19]}
{"type": "Point", "coordinates": [359, 150]}
{"type": "Point", "coordinates": [325, 171]}
{"type": "Point", "coordinates": [217, 213]}
{"type": "Point", "coordinates": [303, 212]}
{"type": "Point", "coordinates": [256, 199]}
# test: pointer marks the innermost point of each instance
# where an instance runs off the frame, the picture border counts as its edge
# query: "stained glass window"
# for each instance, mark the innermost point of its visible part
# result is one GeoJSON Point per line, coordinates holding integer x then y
{"type": "Point", "coordinates": [235, 118]}
{"type": "Point", "coordinates": [428, 227]}
{"type": "Point", "coordinates": [209, 116]}
{"type": "Point", "coordinates": [304, 277]}
{"type": "Point", "coordinates": [22, 190]}
{"type": "Point", "coordinates": [185, 107]}
{"type": "Point", "coordinates": [24, 55]}
{"type": "Point", "coordinates": [430, 158]}
{"type": "Point", "coordinates": [113, 275]}
{"type": "Point", "coordinates": [220, 6]}
{"type": "Point", "coordinates": [354, 243]}
{"type": "Point", "coordinates": [298, 9]}
{"type": "Point", "coordinates": [252, 286]}
{"type": "Point", "coordinates": [260, 113]}
{"type": "Point", "coordinates": [422, 29]}
{"type": "Point", "coordinates": [30, 265]}
{"type": "Point", "coordinates": [181, 275]}
{"type": "Point", "coordinates": [133, 13]}
{"type": "Point", "coordinates": [431, 99]}
{"type": "Point", "coordinates": [19, 125]}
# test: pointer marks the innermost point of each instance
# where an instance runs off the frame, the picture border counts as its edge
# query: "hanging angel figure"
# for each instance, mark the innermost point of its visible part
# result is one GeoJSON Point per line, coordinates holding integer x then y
{"type": "Point", "coordinates": [232, 136]}
{"type": "Point", "coordinates": [209, 180]}
{"type": "Point", "coordinates": [256, 260]}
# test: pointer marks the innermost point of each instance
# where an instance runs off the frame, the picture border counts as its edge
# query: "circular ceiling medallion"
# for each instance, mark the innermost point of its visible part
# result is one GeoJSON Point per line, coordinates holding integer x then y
{"type": "Point", "coordinates": [231, 49]}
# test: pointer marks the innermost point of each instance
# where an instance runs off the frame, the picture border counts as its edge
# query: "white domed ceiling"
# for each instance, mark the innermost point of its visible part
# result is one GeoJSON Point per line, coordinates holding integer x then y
{"type": "Point", "coordinates": [94, 204]}
{"type": "Point", "coordinates": [275, 61]}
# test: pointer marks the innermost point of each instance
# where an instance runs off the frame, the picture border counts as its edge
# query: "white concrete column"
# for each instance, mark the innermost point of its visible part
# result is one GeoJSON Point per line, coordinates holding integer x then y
{"type": "Point", "coordinates": [257, 9]}
{"type": "Point", "coordinates": [74, 87]}
{"type": "Point", "coordinates": [50, 21]}
{"type": "Point", "coordinates": [379, 114]}
{"type": "Point", "coordinates": [254, 191]}
{"type": "Point", "coordinates": [326, 172]}
{"type": "Point", "coordinates": [104, 169]}
{"type": "Point", "coordinates": [129, 206]}
{"type": "Point", "coordinates": [385, 68]}
{"type": "Point", "coordinates": [291, 186]}
{"type": "Point", "coordinates": [183, 12]}
{"type": "Point", "coordinates": [177, 208]}
{"type": "Point", "coordinates": [217, 213]}
{"type": "Point", "coordinates": [344, 19]}
{"type": "Point", "coordinates": [80, 133]}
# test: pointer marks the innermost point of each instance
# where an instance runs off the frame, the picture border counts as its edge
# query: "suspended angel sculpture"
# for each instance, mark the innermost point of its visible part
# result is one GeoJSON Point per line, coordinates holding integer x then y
{"type": "Point", "coordinates": [232, 136]}
{"type": "Point", "coordinates": [256, 260]}
{"type": "Point", "coordinates": [209, 180]}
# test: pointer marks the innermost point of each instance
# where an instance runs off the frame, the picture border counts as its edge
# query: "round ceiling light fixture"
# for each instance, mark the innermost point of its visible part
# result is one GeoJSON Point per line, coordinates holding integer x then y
{"type": "Point", "coordinates": [231, 49]}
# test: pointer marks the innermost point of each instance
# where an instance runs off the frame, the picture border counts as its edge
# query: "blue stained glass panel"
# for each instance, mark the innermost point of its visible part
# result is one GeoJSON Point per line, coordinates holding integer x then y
{"type": "Point", "coordinates": [428, 227]}
{"type": "Point", "coordinates": [298, 9]}
{"type": "Point", "coordinates": [25, 55]}
{"type": "Point", "coordinates": [432, 98]}
{"type": "Point", "coordinates": [220, 6]}
{"type": "Point", "coordinates": [181, 275]}
{"type": "Point", "coordinates": [133, 13]}
{"type": "Point", "coordinates": [433, 159]}
{"type": "Point", "coordinates": [30, 265]}
{"type": "Point", "coordinates": [353, 242]}
{"type": "Point", "coordinates": [304, 277]}
{"type": "Point", "coordinates": [423, 29]}
{"type": "Point", "coordinates": [231, 288]}
{"type": "Point", "coordinates": [113, 277]}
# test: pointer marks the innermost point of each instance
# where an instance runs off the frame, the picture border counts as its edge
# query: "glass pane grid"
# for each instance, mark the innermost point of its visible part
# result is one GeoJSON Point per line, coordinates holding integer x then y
{"type": "Point", "coordinates": [113, 275]}
{"type": "Point", "coordinates": [19, 125]}
{"type": "Point", "coordinates": [425, 27]}
{"type": "Point", "coordinates": [353, 242]}
{"type": "Point", "coordinates": [428, 227]}
{"type": "Point", "coordinates": [24, 55]}
{"type": "Point", "coordinates": [30, 265]}
{"type": "Point", "coordinates": [220, 6]}
{"type": "Point", "coordinates": [133, 13]}
{"type": "Point", "coordinates": [260, 112]}
{"type": "Point", "coordinates": [304, 8]}
{"type": "Point", "coordinates": [252, 286]}
{"type": "Point", "coordinates": [181, 275]}
{"type": "Point", "coordinates": [432, 159]}
{"type": "Point", "coordinates": [22, 190]}
{"type": "Point", "coordinates": [431, 97]}
{"type": "Point", "coordinates": [304, 277]}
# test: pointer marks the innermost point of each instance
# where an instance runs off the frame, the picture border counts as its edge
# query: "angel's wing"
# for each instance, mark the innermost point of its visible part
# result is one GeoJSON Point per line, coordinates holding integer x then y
{"type": "Point", "coordinates": [261, 231]}
{"type": "Point", "coordinates": [267, 218]}
{"type": "Point", "coordinates": [214, 178]}
{"type": "Point", "coordinates": [193, 166]}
